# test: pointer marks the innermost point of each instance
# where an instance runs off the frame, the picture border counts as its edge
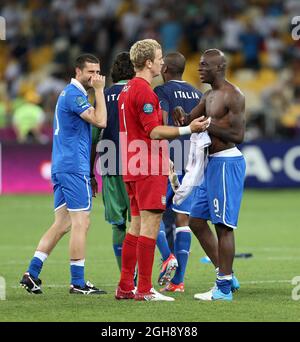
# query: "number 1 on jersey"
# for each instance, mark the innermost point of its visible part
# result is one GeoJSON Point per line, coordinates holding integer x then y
{"type": "Point", "coordinates": [124, 119]}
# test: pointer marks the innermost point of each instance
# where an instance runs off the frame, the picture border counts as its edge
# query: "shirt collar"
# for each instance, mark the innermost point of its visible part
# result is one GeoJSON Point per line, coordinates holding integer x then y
{"type": "Point", "coordinates": [177, 81]}
{"type": "Point", "coordinates": [78, 85]}
{"type": "Point", "coordinates": [122, 82]}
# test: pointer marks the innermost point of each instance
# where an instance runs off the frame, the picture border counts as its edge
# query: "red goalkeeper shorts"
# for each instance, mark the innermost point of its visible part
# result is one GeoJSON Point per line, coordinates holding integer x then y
{"type": "Point", "coordinates": [147, 194]}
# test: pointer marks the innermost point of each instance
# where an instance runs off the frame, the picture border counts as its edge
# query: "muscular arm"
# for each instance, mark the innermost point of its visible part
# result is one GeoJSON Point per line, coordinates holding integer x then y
{"type": "Point", "coordinates": [197, 111]}
{"type": "Point", "coordinates": [169, 132]}
{"type": "Point", "coordinates": [165, 117]}
{"type": "Point", "coordinates": [182, 118]}
{"type": "Point", "coordinates": [234, 127]}
{"type": "Point", "coordinates": [164, 132]}
{"type": "Point", "coordinates": [97, 116]}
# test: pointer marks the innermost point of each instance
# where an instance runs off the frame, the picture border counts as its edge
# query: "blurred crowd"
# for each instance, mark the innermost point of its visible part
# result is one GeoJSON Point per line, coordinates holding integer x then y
{"type": "Point", "coordinates": [44, 37]}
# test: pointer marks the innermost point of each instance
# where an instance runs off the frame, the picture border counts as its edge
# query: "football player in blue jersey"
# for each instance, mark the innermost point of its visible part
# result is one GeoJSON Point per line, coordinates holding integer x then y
{"type": "Point", "coordinates": [176, 92]}
{"type": "Point", "coordinates": [71, 174]}
{"type": "Point", "coordinates": [114, 194]}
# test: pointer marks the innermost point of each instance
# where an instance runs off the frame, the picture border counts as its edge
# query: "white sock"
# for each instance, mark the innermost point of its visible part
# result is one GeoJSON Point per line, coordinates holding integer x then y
{"type": "Point", "coordinates": [225, 277]}
{"type": "Point", "coordinates": [77, 262]}
{"type": "Point", "coordinates": [41, 255]}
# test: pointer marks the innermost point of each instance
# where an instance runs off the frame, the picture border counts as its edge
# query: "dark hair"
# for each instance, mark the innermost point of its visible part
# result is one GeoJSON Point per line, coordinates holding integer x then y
{"type": "Point", "coordinates": [86, 57]}
{"type": "Point", "coordinates": [175, 62]}
{"type": "Point", "coordinates": [122, 68]}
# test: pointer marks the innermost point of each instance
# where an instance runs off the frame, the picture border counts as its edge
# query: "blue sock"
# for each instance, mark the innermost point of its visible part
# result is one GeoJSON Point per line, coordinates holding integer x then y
{"type": "Point", "coordinates": [162, 242]}
{"type": "Point", "coordinates": [118, 250]}
{"type": "Point", "coordinates": [36, 264]}
{"type": "Point", "coordinates": [35, 267]}
{"type": "Point", "coordinates": [224, 282]}
{"type": "Point", "coordinates": [77, 273]}
{"type": "Point", "coordinates": [182, 251]}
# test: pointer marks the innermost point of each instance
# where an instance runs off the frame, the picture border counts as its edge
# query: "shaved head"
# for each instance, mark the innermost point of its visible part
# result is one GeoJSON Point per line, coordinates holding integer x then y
{"type": "Point", "coordinates": [216, 57]}
{"type": "Point", "coordinates": [212, 65]}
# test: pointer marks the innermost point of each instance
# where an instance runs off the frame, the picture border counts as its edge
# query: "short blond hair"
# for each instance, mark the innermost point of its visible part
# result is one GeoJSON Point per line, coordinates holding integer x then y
{"type": "Point", "coordinates": [143, 50]}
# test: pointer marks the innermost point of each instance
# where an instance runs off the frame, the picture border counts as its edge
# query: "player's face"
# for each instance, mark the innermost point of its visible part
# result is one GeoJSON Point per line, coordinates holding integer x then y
{"type": "Point", "coordinates": [157, 63]}
{"type": "Point", "coordinates": [207, 70]}
{"type": "Point", "coordinates": [84, 76]}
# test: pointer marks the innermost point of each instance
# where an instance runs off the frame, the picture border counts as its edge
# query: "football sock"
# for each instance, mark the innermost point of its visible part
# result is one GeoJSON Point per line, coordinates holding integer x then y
{"type": "Point", "coordinates": [77, 272]}
{"type": "Point", "coordinates": [182, 250]}
{"type": "Point", "coordinates": [129, 259]}
{"type": "Point", "coordinates": [162, 242]}
{"type": "Point", "coordinates": [118, 236]}
{"type": "Point", "coordinates": [145, 257]}
{"type": "Point", "coordinates": [224, 282]}
{"type": "Point", "coordinates": [36, 264]}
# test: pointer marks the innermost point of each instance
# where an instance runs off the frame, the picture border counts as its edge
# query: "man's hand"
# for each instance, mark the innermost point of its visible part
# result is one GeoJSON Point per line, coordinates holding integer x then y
{"type": "Point", "coordinates": [179, 116]}
{"type": "Point", "coordinates": [94, 186]}
{"type": "Point", "coordinates": [173, 178]}
{"type": "Point", "coordinates": [98, 82]}
{"type": "Point", "coordinates": [200, 124]}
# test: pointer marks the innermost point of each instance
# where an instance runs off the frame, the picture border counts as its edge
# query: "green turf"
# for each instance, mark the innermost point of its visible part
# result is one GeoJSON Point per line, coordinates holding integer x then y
{"type": "Point", "coordinates": [268, 228]}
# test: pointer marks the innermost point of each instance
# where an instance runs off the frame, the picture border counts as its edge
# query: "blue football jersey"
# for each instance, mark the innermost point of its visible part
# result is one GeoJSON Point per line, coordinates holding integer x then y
{"type": "Point", "coordinates": [72, 135]}
{"type": "Point", "coordinates": [172, 94]}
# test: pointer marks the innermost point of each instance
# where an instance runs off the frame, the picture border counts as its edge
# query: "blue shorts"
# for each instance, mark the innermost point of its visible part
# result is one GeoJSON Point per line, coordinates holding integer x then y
{"type": "Point", "coordinates": [72, 190]}
{"type": "Point", "coordinates": [219, 197]}
{"type": "Point", "coordinates": [185, 206]}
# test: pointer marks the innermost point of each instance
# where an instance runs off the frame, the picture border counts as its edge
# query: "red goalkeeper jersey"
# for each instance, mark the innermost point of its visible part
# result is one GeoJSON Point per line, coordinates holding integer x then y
{"type": "Point", "coordinates": [139, 114]}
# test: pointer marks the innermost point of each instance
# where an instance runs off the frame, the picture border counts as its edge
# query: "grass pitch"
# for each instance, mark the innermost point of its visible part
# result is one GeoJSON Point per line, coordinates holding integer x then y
{"type": "Point", "coordinates": [268, 228]}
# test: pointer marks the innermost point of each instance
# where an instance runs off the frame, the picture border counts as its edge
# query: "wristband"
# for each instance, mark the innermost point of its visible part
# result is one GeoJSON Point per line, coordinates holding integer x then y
{"type": "Point", "coordinates": [185, 130]}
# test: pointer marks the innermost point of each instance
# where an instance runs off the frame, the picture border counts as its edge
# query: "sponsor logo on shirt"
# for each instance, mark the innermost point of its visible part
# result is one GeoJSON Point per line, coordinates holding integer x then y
{"type": "Point", "coordinates": [148, 108]}
{"type": "Point", "coordinates": [163, 200]}
{"type": "Point", "coordinates": [81, 101]}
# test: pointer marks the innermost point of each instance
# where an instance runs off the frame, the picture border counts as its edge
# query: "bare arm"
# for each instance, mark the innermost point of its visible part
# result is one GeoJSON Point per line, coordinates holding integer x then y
{"type": "Point", "coordinates": [97, 116]}
{"type": "Point", "coordinates": [181, 118]}
{"type": "Point", "coordinates": [168, 132]}
{"type": "Point", "coordinates": [235, 119]}
{"type": "Point", "coordinates": [165, 117]}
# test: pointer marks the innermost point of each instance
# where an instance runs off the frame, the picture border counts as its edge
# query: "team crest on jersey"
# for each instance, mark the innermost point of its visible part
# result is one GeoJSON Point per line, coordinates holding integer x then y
{"type": "Point", "coordinates": [163, 200]}
{"type": "Point", "coordinates": [80, 100]}
{"type": "Point", "coordinates": [148, 108]}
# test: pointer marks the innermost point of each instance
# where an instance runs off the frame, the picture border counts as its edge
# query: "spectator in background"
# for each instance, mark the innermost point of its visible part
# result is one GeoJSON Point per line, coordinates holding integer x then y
{"type": "Point", "coordinates": [28, 120]}
{"type": "Point", "coordinates": [232, 29]}
{"type": "Point", "coordinates": [251, 42]}
{"type": "Point", "coordinates": [274, 48]}
{"type": "Point", "coordinates": [170, 33]}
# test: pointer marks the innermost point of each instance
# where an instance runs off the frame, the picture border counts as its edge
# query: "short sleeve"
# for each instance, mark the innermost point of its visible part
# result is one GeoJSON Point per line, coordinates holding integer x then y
{"type": "Point", "coordinates": [163, 100]}
{"type": "Point", "coordinates": [77, 103]}
{"type": "Point", "coordinates": [147, 107]}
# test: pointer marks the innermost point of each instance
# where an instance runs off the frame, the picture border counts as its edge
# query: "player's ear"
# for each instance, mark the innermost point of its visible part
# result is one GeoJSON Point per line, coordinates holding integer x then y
{"type": "Point", "coordinates": [149, 63]}
{"type": "Point", "coordinates": [78, 71]}
{"type": "Point", "coordinates": [221, 67]}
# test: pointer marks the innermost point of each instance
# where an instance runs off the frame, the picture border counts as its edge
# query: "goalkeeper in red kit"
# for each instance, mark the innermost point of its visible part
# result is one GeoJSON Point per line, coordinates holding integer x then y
{"type": "Point", "coordinates": [145, 169]}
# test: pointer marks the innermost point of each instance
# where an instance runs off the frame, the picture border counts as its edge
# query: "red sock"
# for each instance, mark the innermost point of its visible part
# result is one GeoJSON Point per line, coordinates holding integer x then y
{"type": "Point", "coordinates": [145, 257]}
{"type": "Point", "coordinates": [128, 262]}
